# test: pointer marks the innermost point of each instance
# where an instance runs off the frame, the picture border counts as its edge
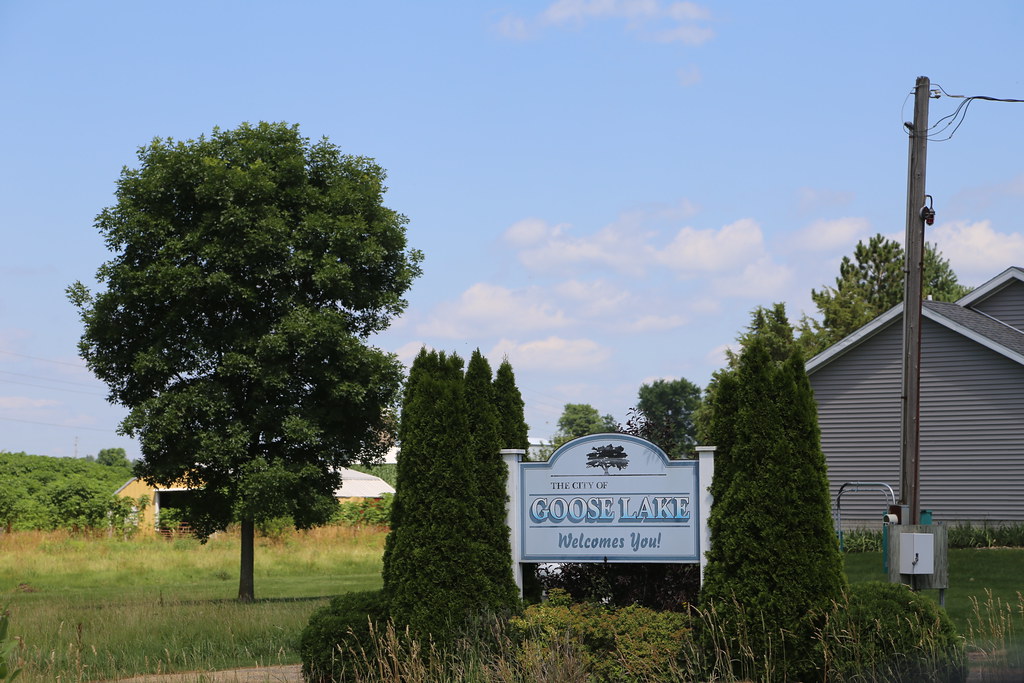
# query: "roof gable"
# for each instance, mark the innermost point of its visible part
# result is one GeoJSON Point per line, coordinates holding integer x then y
{"type": "Point", "coordinates": [978, 327]}
{"type": "Point", "coordinates": [979, 294]}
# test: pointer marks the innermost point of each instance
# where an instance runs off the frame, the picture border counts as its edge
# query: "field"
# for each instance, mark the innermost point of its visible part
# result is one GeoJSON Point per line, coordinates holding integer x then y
{"type": "Point", "coordinates": [100, 608]}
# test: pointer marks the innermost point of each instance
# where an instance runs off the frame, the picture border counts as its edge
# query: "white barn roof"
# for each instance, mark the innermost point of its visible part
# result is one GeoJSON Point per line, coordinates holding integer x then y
{"type": "Point", "coordinates": [361, 485]}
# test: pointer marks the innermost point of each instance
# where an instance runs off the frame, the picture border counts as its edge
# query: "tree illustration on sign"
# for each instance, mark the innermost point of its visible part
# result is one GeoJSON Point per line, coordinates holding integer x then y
{"type": "Point", "coordinates": [606, 457]}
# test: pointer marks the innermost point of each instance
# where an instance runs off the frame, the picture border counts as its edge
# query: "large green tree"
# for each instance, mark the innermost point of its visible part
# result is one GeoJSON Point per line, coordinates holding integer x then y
{"type": "Point", "coordinates": [870, 284]}
{"type": "Point", "coordinates": [580, 419]}
{"type": "Point", "coordinates": [113, 457]}
{"type": "Point", "coordinates": [774, 566]}
{"type": "Point", "coordinates": [249, 269]}
{"type": "Point", "coordinates": [669, 407]}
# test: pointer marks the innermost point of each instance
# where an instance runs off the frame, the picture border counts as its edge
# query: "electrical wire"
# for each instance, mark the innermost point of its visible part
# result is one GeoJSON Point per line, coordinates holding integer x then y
{"type": "Point", "coordinates": [956, 119]}
{"type": "Point", "coordinates": [48, 379]}
{"type": "Point", "coordinates": [45, 360]}
{"type": "Point", "coordinates": [52, 424]}
{"type": "Point", "coordinates": [43, 386]}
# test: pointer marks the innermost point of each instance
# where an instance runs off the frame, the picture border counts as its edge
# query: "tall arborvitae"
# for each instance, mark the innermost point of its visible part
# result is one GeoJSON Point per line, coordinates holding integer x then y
{"type": "Point", "coordinates": [494, 550]}
{"type": "Point", "coordinates": [512, 428]}
{"type": "Point", "coordinates": [774, 564]}
{"type": "Point", "coordinates": [513, 432]}
{"type": "Point", "coordinates": [430, 579]}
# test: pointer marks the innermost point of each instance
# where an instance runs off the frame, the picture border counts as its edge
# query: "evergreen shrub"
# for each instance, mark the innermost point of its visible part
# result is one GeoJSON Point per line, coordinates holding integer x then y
{"type": "Point", "coordinates": [774, 563]}
{"type": "Point", "coordinates": [339, 638]}
{"type": "Point", "coordinates": [886, 632]}
{"type": "Point", "coordinates": [616, 643]}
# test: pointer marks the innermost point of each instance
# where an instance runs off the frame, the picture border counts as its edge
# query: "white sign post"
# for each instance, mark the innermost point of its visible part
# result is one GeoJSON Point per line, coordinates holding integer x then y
{"type": "Point", "coordinates": [609, 498]}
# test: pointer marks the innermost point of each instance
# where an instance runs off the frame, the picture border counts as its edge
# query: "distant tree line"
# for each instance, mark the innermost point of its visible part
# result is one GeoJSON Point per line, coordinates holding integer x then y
{"type": "Point", "coordinates": [42, 492]}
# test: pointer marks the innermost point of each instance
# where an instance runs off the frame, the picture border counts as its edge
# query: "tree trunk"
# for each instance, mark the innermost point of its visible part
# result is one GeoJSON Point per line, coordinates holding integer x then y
{"type": "Point", "coordinates": [245, 582]}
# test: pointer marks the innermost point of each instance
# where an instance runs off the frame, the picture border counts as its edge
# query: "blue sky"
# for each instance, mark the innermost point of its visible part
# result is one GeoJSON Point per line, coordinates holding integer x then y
{"type": "Point", "coordinates": [603, 189]}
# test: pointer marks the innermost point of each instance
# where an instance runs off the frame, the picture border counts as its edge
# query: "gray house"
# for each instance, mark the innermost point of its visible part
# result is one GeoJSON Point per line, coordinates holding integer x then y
{"type": "Point", "coordinates": [972, 407]}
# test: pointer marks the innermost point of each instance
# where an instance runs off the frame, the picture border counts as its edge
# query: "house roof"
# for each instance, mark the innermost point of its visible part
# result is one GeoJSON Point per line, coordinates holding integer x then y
{"type": "Point", "coordinates": [1011, 274]}
{"type": "Point", "coordinates": [361, 485]}
{"type": "Point", "coordinates": [958, 317]}
{"type": "Point", "coordinates": [353, 485]}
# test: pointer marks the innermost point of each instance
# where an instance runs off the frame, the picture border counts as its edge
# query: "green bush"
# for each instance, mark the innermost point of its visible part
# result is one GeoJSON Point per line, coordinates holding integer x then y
{"type": "Point", "coordinates": [626, 643]}
{"type": "Point", "coordinates": [961, 535]}
{"type": "Point", "coordinates": [886, 632]}
{"type": "Point", "coordinates": [986, 536]}
{"type": "Point", "coordinates": [374, 511]}
{"type": "Point", "coordinates": [339, 638]}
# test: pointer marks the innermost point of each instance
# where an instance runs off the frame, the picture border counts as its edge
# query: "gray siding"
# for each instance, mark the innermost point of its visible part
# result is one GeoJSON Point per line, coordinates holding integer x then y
{"type": "Point", "coordinates": [858, 396]}
{"type": "Point", "coordinates": [972, 426]}
{"type": "Point", "coordinates": [1006, 305]}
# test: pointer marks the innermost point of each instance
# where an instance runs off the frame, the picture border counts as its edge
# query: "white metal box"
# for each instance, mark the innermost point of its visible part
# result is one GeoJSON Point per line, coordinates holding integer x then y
{"type": "Point", "coordinates": [917, 554]}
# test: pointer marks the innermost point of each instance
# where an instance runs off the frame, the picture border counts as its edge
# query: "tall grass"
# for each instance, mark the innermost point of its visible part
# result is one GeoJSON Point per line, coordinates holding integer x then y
{"type": "Point", "coordinates": [994, 632]}
{"type": "Point", "coordinates": [93, 608]}
{"type": "Point", "coordinates": [495, 653]}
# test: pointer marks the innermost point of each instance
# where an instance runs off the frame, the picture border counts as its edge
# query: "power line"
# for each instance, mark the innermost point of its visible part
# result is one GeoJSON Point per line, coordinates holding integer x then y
{"type": "Point", "coordinates": [52, 424]}
{"type": "Point", "coordinates": [47, 379]}
{"type": "Point", "coordinates": [45, 360]}
{"type": "Point", "coordinates": [955, 119]}
{"type": "Point", "coordinates": [42, 386]}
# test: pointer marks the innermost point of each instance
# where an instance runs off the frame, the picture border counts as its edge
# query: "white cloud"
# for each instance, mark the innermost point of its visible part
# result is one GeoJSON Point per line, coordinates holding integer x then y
{"type": "Point", "coordinates": [816, 199]}
{"type": "Point", "coordinates": [655, 323]}
{"type": "Point", "coordinates": [610, 247]}
{"type": "Point", "coordinates": [594, 298]}
{"type": "Point", "coordinates": [620, 246]}
{"type": "Point", "coordinates": [491, 308]}
{"type": "Point", "coordinates": [514, 28]}
{"type": "Point", "coordinates": [688, 11]}
{"type": "Point", "coordinates": [976, 251]}
{"type": "Point", "coordinates": [759, 280]}
{"type": "Point", "coordinates": [407, 352]}
{"type": "Point", "coordinates": [695, 251]}
{"type": "Point", "coordinates": [689, 75]}
{"type": "Point", "coordinates": [687, 35]}
{"type": "Point", "coordinates": [569, 11]}
{"type": "Point", "coordinates": [718, 356]}
{"type": "Point", "coordinates": [704, 305]}
{"type": "Point", "coordinates": [22, 403]}
{"type": "Point", "coordinates": [649, 19]}
{"type": "Point", "coordinates": [553, 354]}
{"type": "Point", "coordinates": [983, 197]}
{"type": "Point", "coordinates": [828, 235]}
{"type": "Point", "coordinates": [531, 231]}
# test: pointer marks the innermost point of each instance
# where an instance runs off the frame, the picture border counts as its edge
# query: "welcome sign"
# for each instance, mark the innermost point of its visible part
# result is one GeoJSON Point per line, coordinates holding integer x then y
{"type": "Point", "coordinates": [609, 498]}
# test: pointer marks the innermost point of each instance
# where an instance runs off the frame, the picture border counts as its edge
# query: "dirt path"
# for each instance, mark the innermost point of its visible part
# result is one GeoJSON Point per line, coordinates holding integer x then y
{"type": "Point", "coordinates": [263, 674]}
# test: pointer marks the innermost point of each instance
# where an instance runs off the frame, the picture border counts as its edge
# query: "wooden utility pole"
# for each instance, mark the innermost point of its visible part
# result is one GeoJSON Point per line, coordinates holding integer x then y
{"type": "Point", "coordinates": [910, 494]}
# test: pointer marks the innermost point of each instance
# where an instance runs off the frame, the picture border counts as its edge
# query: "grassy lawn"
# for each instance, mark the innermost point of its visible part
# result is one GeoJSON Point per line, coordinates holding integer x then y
{"type": "Point", "coordinates": [991, 575]}
{"type": "Point", "coordinates": [90, 609]}
{"type": "Point", "coordinates": [101, 608]}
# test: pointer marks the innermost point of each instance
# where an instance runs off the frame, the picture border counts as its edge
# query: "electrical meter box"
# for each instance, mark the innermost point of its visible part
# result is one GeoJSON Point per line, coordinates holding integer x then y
{"type": "Point", "coordinates": [917, 554]}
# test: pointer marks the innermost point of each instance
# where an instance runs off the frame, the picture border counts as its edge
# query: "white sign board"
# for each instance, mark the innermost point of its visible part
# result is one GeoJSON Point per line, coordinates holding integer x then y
{"type": "Point", "coordinates": [609, 498]}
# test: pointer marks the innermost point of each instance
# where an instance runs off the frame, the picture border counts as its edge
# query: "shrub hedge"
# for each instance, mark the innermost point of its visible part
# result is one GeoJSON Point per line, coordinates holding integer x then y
{"type": "Point", "coordinates": [340, 637]}
{"type": "Point", "coordinates": [886, 632]}
{"type": "Point", "coordinates": [617, 644]}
